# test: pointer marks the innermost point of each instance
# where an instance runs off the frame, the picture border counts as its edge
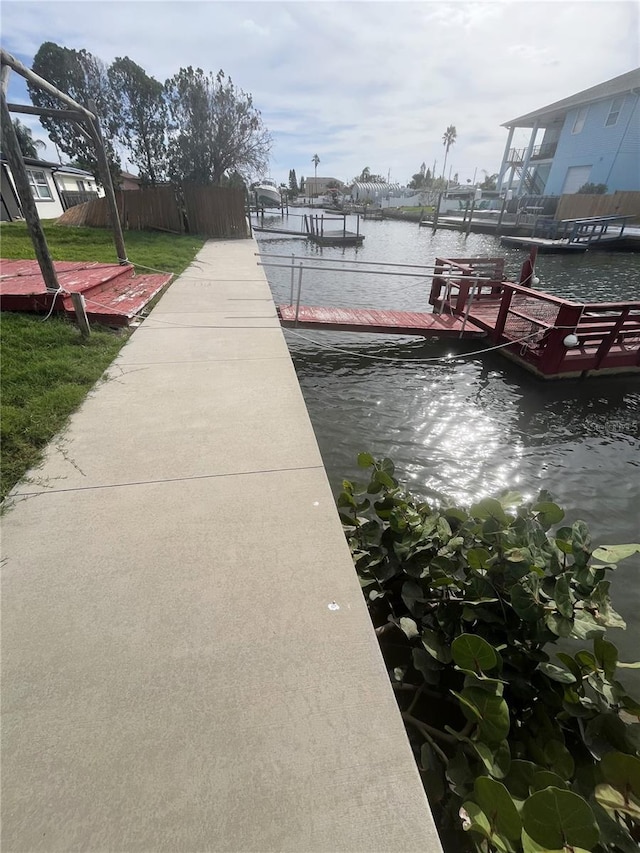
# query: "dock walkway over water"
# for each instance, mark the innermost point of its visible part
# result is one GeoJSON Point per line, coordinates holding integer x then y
{"type": "Point", "coordinates": [550, 336]}
{"type": "Point", "coordinates": [187, 659]}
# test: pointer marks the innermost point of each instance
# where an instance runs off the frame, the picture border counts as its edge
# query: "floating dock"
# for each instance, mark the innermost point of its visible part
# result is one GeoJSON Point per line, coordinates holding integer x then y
{"type": "Point", "coordinates": [426, 324]}
{"type": "Point", "coordinates": [314, 230]}
{"type": "Point", "coordinates": [543, 244]}
{"type": "Point", "coordinates": [552, 337]}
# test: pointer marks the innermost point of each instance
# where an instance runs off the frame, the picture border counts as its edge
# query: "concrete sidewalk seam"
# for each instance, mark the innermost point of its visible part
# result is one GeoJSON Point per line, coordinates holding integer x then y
{"type": "Point", "coordinates": [165, 480]}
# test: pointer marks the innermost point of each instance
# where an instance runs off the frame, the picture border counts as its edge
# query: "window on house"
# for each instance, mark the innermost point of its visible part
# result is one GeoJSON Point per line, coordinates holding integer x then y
{"type": "Point", "coordinates": [614, 112]}
{"type": "Point", "coordinates": [39, 185]}
{"type": "Point", "coordinates": [580, 120]}
{"type": "Point", "coordinates": [80, 186]}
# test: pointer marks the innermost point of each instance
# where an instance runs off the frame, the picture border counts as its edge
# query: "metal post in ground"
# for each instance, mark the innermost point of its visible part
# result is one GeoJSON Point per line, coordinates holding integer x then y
{"type": "Point", "coordinates": [473, 207]}
{"type": "Point", "coordinates": [293, 261]}
{"type": "Point", "coordinates": [436, 213]}
{"type": "Point", "coordinates": [299, 292]}
{"type": "Point", "coordinates": [501, 215]}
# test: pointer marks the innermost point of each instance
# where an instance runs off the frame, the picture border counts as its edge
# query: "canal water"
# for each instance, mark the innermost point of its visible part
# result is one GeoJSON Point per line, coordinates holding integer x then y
{"type": "Point", "coordinates": [464, 424]}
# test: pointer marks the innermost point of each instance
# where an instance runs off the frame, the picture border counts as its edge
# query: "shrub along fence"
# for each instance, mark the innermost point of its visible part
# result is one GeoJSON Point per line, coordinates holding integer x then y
{"type": "Point", "coordinates": [191, 209]}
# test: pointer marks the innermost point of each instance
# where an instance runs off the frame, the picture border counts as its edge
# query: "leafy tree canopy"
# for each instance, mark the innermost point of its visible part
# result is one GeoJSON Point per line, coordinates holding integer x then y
{"type": "Point", "coordinates": [28, 145]}
{"type": "Point", "coordinates": [214, 128]}
{"type": "Point", "coordinates": [141, 111]}
{"type": "Point", "coordinates": [84, 77]}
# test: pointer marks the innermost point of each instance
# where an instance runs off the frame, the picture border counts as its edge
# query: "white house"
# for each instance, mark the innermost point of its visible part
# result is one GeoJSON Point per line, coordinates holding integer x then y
{"type": "Point", "coordinates": [590, 137]}
{"type": "Point", "coordinates": [53, 186]}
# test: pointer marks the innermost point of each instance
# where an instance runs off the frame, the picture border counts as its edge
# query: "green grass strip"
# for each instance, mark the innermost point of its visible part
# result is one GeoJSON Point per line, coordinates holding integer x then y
{"type": "Point", "coordinates": [47, 367]}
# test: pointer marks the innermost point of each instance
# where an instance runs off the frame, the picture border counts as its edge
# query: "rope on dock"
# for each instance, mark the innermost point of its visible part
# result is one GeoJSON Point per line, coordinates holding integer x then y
{"type": "Point", "coordinates": [443, 358]}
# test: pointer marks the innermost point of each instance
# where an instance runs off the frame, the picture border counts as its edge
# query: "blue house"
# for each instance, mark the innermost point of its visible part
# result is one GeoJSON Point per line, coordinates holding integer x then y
{"type": "Point", "coordinates": [591, 137]}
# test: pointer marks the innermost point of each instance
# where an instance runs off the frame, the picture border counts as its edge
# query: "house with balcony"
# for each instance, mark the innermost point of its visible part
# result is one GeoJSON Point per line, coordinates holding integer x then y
{"type": "Point", "coordinates": [590, 137]}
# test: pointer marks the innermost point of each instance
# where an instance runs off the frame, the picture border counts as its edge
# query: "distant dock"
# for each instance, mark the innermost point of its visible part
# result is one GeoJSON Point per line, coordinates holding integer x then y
{"type": "Point", "coordinates": [313, 228]}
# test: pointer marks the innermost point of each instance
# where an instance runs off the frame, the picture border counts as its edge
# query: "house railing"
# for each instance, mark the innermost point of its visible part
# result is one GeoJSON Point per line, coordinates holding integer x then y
{"type": "Point", "coordinates": [539, 152]}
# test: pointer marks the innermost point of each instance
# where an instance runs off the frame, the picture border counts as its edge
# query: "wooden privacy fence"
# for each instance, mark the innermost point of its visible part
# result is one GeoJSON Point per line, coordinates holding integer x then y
{"type": "Point", "coordinates": [578, 206]}
{"type": "Point", "coordinates": [215, 211]}
{"type": "Point", "coordinates": [210, 211]}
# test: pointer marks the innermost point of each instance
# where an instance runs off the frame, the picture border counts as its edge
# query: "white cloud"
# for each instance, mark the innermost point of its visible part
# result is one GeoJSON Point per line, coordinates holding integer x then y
{"type": "Point", "coordinates": [361, 83]}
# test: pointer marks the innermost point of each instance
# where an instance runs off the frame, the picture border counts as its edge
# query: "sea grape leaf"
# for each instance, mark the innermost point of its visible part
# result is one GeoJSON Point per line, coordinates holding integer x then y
{"type": "Point", "coordinates": [606, 655]}
{"type": "Point", "coordinates": [489, 711]}
{"type": "Point", "coordinates": [614, 800]}
{"type": "Point", "coordinates": [409, 627]}
{"type": "Point", "coordinates": [558, 758]}
{"type": "Point", "coordinates": [473, 653]}
{"type": "Point", "coordinates": [365, 460]}
{"type": "Point", "coordinates": [496, 759]}
{"type": "Point", "coordinates": [562, 596]}
{"type": "Point", "coordinates": [548, 513]}
{"type": "Point", "coordinates": [615, 553]}
{"type": "Point", "coordinates": [435, 646]}
{"type": "Point", "coordinates": [556, 818]}
{"type": "Point", "coordinates": [546, 779]}
{"type": "Point", "coordinates": [490, 508]}
{"type": "Point", "coordinates": [520, 778]}
{"type": "Point", "coordinates": [557, 673]}
{"type": "Point", "coordinates": [497, 804]}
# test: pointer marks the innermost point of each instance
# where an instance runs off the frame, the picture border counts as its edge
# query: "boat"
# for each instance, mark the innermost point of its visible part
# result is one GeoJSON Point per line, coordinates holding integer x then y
{"type": "Point", "coordinates": [267, 194]}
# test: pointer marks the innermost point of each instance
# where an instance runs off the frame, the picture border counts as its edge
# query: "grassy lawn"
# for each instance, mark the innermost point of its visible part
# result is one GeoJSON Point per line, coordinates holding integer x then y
{"type": "Point", "coordinates": [47, 368]}
{"type": "Point", "coordinates": [169, 252]}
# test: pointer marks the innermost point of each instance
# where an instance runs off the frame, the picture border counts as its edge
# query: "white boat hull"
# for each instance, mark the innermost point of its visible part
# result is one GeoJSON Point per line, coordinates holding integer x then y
{"type": "Point", "coordinates": [267, 196]}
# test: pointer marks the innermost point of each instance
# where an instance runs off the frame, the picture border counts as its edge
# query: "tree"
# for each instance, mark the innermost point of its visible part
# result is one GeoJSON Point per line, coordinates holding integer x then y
{"type": "Point", "coordinates": [84, 77]}
{"type": "Point", "coordinates": [214, 129]}
{"type": "Point", "coordinates": [302, 184]}
{"type": "Point", "coordinates": [448, 139]}
{"type": "Point", "coordinates": [142, 118]}
{"type": "Point", "coordinates": [293, 183]}
{"type": "Point", "coordinates": [365, 175]}
{"type": "Point", "coordinates": [28, 145]}
{"type": "Point", "coordinates": [316, 161]}
{"type": "Point", "coordinates": [490, 181]}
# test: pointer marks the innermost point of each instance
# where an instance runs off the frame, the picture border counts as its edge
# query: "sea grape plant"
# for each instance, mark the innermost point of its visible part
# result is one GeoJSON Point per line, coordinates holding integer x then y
{"type": "Point", "coordinates": [492, 620]}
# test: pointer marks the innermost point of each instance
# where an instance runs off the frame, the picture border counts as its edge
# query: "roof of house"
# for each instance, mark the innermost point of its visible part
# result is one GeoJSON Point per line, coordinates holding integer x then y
{"type": "Point", "coordinates": [57, 167]}
{"type": "Point", "coordinates": [375, 186]}
{"type": "Point", "coordinates": [616, 86]}
{"type": "Point", "coordinates": [129, 176]}
{"type": "Point", "coordinates": [337, 180]}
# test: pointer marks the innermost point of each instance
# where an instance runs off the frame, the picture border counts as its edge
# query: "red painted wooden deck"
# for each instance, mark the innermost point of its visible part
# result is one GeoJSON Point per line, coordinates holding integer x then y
{"type": "Point", "coordinates": [113, 293]}
{"type": "Point", "coordinates": [375, 321]}
{"type": "Point", "coordinates": [522, 323]}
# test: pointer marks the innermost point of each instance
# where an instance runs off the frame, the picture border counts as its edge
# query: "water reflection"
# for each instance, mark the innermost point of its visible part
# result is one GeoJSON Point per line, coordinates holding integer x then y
{"type": "Point", "coordinates": [475, 426]}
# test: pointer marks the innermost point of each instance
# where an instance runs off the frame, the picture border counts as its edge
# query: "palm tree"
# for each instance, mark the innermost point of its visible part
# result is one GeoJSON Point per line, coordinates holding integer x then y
{"type": "Point", "coordinates": [28, 145]}
{"type": "Point", "coordinates": [365, 175]}
{"type": "Point", "coordinates": [315, 160]}
{"type": "Point", "coordinates": [448, 139]}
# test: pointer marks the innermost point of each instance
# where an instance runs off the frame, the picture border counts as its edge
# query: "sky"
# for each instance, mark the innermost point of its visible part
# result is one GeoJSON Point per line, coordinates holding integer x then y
{"type": "Point", "coordinates": [358, 83]}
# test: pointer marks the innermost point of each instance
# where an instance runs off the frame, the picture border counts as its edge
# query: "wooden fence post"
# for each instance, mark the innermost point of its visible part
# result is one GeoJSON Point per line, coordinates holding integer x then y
{"type": "Point", "coordinates": [107, 184]}
{"type": "Point", "coordinates": [80, 309]}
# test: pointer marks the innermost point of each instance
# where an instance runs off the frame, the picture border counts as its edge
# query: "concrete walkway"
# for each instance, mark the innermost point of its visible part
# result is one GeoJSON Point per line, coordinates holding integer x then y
{"type": "Point", "coordinates": [187, 660]}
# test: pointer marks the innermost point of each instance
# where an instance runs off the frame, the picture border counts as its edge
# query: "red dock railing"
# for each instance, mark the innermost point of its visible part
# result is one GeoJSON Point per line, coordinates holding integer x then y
{"type": "Point", "coordinates": [551, 335]}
